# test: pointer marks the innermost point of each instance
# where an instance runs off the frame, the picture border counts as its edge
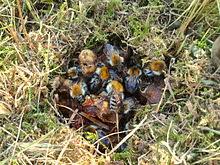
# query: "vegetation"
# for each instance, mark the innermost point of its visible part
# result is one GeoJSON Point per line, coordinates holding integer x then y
{"type": "Point", "coordinates": [38, 40]}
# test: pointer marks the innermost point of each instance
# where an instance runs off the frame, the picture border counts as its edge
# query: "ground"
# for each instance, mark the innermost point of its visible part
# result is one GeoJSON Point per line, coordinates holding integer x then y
{"type": "Point", "coordinates": [39, 39]}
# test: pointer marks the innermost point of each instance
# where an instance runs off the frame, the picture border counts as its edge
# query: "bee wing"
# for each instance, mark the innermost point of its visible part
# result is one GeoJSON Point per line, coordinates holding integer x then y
{"type": "Point", "coordinates": [94, 83]}
{"type": "Point", "coordinates": [132, 84]}
{"type": "Point", "coordinates": [110, 49]}
{"type": "Point", "coordinates": [114, 75]}
{"type": "Point", "coordinates": [84, 88]}
{"type": "Point", "coordinates": [129, 105]}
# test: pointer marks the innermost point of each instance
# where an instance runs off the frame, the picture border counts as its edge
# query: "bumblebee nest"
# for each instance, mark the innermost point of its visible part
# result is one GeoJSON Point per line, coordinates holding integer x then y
{"type": "Point", "coordinates": [103, 108]}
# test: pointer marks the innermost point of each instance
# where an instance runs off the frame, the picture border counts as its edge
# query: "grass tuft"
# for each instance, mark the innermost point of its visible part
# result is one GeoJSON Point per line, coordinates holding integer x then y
{"type": "Point", "coordinates": [40, 39]}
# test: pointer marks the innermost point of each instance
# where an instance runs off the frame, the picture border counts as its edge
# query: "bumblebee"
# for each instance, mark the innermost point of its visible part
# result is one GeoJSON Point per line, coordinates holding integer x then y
{"type": "Point", "coordinates": [113, 55]}
{"type": "Point", "coordinates": [116, 101]}
{"type": "Point", "coordinates": [115, 75]}
{"type": "Point", "coordinates": [87, 60]}
{"type": "Point", "coordinates": [73, 73]}
{"type": "Point", "coordinates": [132, 81]}
{"type": "Point", "coordinates": [114, 87]}
{"type": "Point", "coordinates": [99, 79]}
{"type": "Point", "coordinates": [156, 68]}
{"type": "Point", "coordinates": [78, 90]}
{"type": "Point", "coordinates": [129, 107]}
{"type": "Point", "coordinates": [115, 91]}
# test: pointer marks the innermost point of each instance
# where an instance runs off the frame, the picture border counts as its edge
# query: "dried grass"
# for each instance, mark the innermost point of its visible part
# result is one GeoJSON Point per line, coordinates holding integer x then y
{"type": "Point", "coordinates": [36, 45]}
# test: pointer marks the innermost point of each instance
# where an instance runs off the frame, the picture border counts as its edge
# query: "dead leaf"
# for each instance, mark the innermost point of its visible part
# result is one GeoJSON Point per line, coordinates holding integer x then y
{"type": "Point", "coordinates": [191, 109]}
{"type": "Point", "coordinates": [115, 163]}
{"type": "Point", "coordinates": [153, 94]}
{"type": "Point", "coordinates": [4, 110]}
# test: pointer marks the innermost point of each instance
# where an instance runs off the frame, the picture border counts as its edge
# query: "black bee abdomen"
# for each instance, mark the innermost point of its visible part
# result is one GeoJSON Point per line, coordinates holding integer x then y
{"type": "Point", "coordinates": [131, 84]}
{"type": "Point", "coordinates": [95, 84]}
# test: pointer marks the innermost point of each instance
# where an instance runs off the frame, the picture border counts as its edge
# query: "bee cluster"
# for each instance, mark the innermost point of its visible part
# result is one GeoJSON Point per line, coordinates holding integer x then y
{"type": "Point", "coordinates": [104, 90]}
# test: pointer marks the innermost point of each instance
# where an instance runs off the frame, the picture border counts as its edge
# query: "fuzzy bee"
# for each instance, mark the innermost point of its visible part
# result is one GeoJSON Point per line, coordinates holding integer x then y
{"type": "Point", "coordinates": [114, 87]}
{"type": "Point", "coordinates": [115, 90]}
{"type": "Point", "coordinates": [156, 68]}
{"type": "Point", "coordinates": [78, 90]}
{"type": "Point", "coordinates": [113, 55]}
{"type": "Point", "coordinates": [87, 60]}
{"type": "Point", "coordinates": [115, 75]}
{"type": "Point", "coordinates": [99, 79]}
{"type": "Point", "coordinates": [73, 73]}
{"type": "Point", "coordinates": [132, 81]}
{"type": "Point", "coordinates": [129, 107]}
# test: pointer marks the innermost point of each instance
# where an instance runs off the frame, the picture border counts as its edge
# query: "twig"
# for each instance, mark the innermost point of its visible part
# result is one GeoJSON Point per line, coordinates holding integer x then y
{"type": "Point", "coordinates": [167, 85]}
{"type": "Point", "coordinates": [102, 125]}
{"type": "Point", "coordinates": [111, 134]}
{"type": "Point", "coordinates": [14, 35]}
{"type": "Point", "coordinates": [73, 116]}
{"type": "Point", "coordinates": [27, 38]}
{"type": "Point", "coordinates": [163, 95]}
{"type": "Point", "coordinates": [140, 157]}
{"type": "Point", "coordinates": [64, 149]}
{"type": "Point", "coordinates": [117, 125]}
{"type": "Point", "coordinates": [128, 136]}
{"type": "Point", "coordinates": [209, 129]}
{"type": "Point", "coordinates": [158, 120]}
{"type": "Point", "coordinates": [17, 138]}
{"type": "Point", "coordinates": [212, 157]}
